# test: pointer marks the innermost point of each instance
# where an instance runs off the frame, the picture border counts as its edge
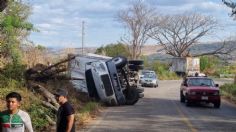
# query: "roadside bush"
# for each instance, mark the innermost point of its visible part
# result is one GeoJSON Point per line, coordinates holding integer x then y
{"type": "Point", "coordinates": [89, 110]}
{"type": "Point", "coordinates": [226, 70]}
{"type": "Point", "coordinates": [229, 90]}
{"type": "Point", "coordinates": [14, 71]}
{"type": "Point", "coordinates": [162, 71]}
{"type": "Point", "coordinates": [209, 64]}
{"type": "Point", "coordinates": [38, 116]}
{"type": "Point", "coordinates": [213, 66]}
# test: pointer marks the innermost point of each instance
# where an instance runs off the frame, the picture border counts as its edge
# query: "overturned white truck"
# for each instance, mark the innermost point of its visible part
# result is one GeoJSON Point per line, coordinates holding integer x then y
{"type": "Point", "coordinates": [108, 79]}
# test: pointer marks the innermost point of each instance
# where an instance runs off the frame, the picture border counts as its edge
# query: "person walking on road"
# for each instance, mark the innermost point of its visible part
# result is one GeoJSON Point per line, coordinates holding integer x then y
{"type": "Point", "coordinates": [14, 119]}
{"type": "Point", "coordinates": [65, 114]}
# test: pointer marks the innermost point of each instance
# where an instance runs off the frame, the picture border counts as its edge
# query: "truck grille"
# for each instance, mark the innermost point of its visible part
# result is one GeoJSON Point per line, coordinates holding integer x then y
{"type": "Point", "coordinates": [205, 93]}
{"type": "Point", "coordinates": [107, 85]}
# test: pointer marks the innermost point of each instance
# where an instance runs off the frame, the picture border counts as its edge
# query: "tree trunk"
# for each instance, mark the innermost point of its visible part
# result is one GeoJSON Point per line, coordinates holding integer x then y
{"type": "Point", "coordinates": [48, 95]}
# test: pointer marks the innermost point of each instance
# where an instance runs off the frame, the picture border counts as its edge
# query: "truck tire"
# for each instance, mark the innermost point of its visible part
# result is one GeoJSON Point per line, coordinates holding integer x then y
{"type": "Point", "coordinates": [182, 99]}
{"type": "Point", "coordinates": [136, 62]}
{"type": "Point", "coordinates": [135, 67]}
{"type": "Point", "coordinates": [217, 105]}
{"type": "Point", "coordinates": [132, 96]}
{"type": "Point", "coordinates": [119, 61]}
{"type": "Point", "coordinates": [92, 91]}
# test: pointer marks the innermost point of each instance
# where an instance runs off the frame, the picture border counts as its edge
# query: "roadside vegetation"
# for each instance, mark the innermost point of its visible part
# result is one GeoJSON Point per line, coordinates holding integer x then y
{"type": "Point", "coordinates": [229, 91]}
{"type": "Point", "coordinates": [113, 50]}
{"type": "Point", "coordinates": [17, 54]}
{"type": "Point", "coordinates": [216, 67]}
{"type": "Point", "coordinates": [161, 69]}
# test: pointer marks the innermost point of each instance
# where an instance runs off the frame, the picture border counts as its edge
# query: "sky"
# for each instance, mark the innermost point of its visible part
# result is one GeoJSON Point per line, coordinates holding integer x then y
{"type": "Point", "coordinates": [60, 21]}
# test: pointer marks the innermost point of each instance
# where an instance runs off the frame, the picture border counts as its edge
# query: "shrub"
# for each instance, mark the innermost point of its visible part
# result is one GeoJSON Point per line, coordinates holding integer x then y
{"type": "Point", "coordinates": [229, 90]}
{"type": "Point", "coordinates": [38, 116]}
{"type": "Point", "coordinates": [14, 71]}
{"type": "Point", "coordinates": [162, 70]}
{"type": "Point", "coordinates": [88, 111]}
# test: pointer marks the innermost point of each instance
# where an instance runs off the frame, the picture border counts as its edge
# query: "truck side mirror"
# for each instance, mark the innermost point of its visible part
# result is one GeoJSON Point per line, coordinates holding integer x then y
{"type": "Point", "coordinates": [216, 85]}
{"type": "Point", "coordinates": [185, 84]}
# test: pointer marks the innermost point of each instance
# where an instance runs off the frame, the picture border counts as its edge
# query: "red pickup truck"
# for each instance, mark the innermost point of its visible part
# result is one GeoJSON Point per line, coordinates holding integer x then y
{"type": "Point", "coordinates": [199, 89]}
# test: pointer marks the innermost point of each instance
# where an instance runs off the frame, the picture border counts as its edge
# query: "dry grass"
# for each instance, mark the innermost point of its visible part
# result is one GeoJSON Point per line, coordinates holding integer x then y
{"type": "Point", "coordinates": [89, 112]}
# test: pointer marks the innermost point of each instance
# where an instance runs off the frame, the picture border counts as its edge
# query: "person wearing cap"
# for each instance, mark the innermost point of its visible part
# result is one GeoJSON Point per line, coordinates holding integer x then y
{"type": "Point", "coordinates": [65, 114]}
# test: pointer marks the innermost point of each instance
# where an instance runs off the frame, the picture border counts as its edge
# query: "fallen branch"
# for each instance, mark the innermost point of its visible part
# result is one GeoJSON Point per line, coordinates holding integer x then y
{"type": "Point", "coordinates": [49, 119]}
{"type": "Point", "coordinates": [47, 104]}
{"type": "Point", "coordinates": [48, 95]}
{"type": "Point", "coordinates": [54, 65]}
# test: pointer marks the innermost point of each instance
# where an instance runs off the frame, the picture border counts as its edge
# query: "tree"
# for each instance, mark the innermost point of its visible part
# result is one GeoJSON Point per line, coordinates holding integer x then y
{"type": "Point", "coordinates": [113, 50]}
{"type": "Point", "coordinates": [231, 5]}
{"type": "Point", "coordinates": [137, 21]}
{"type": "Point", "coordinates": [14, 29]}
{"type": "Point", "coordinates": [177, 33]}
{"type": "Point", "coordinates": [3, 5]}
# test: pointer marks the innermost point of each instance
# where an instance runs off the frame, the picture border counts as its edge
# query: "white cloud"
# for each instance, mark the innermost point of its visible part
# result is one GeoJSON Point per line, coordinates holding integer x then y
{"type": "Point", "coordinates": [49, 32]}
{"type": "Point", "coordinates": [57, 20]}
{"type": "Point", "coordinates": [43, 25]}
{"type": "Point", "coordinates": [60, 20]}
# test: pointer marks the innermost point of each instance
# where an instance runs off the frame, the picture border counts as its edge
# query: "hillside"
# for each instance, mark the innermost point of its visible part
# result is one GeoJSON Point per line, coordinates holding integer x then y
{"type": "Point", "coordinates": [197, 49]}
{"type": "Point", "coordinates": [154, 52]}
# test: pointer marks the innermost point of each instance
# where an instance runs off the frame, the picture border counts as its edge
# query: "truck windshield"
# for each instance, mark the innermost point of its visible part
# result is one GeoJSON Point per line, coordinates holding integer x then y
{"type": "Point", "coordinates": [200, 82]}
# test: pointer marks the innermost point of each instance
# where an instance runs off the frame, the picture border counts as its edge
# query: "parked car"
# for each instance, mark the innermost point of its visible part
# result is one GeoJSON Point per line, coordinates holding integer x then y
{"type": "Point", "coordinates": [143, 72]}
{"type": "Point", "coordinates": [149, 79]}
{"type": "Point", "coordinates": [195, 89]}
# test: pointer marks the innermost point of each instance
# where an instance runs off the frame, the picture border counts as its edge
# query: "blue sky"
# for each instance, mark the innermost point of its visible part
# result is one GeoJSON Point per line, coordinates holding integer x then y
{"type": "Point", "coordinates": [59, 21]}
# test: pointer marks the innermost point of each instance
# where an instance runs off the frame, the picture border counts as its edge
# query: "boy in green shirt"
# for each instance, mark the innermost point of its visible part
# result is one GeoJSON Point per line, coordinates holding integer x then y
{"type": "Point", "coordinates": [13, 119]}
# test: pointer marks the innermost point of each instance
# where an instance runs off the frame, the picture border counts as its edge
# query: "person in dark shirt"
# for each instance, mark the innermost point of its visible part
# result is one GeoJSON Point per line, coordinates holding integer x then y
{"type": "Point", "coordinates": [65, 114]}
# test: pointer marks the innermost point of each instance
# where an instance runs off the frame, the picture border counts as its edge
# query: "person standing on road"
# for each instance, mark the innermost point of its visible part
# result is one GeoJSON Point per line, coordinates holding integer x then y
{"type": "Point", "coordinates": [65, 114]}
{"type": "Point", "coordinates": [13, 119]}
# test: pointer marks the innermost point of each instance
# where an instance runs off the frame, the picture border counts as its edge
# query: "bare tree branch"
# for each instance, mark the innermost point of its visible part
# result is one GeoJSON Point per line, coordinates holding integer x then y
{"type": "Point", "coordinates": [177, 33]}
{"type": "Point", "coordinates": [231, 5]}
{"type": "Point", "coordinates": [137, 21]}
{"type": "Point", "coordinates": [3, 4]}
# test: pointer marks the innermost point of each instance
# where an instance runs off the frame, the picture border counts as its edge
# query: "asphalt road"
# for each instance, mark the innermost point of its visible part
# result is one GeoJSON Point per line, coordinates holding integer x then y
{"type": "Point", "coordinates": [161, 111]}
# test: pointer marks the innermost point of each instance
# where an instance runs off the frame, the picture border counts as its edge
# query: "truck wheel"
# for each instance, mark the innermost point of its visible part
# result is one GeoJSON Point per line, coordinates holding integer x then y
{"type": "Point", "coordinates": [132, 96]}
{"type": "Point", "coordinates": [119, 61]}
{"type": "Point", "coordinates": [136, 62]}
{"type": "Point", "coordinates": [182, 99]}
{"type": "Point", "coordinates": [135, 67]}
{"type": "Point", "coordinates": [217, 105]}
{"type": "Point", "coordinates": [188, 103]}
{"type": "Point", "coordinates": [92, 91]}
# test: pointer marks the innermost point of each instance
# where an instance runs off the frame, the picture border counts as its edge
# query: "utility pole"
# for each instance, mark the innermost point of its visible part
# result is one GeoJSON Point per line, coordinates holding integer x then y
{"type": "Point", "coordinates": [82, 37]}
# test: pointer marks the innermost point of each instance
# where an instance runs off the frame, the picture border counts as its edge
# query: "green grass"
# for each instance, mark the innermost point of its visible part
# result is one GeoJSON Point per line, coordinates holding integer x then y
{"type": "Point", "coordinates": [88, 111]}
{"type": "Point", "coordinates": [229, 90]}
{"type": "Point", "coordinates": [162, 71]}
{"type": "Point", "coordinates": [167, 75]}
